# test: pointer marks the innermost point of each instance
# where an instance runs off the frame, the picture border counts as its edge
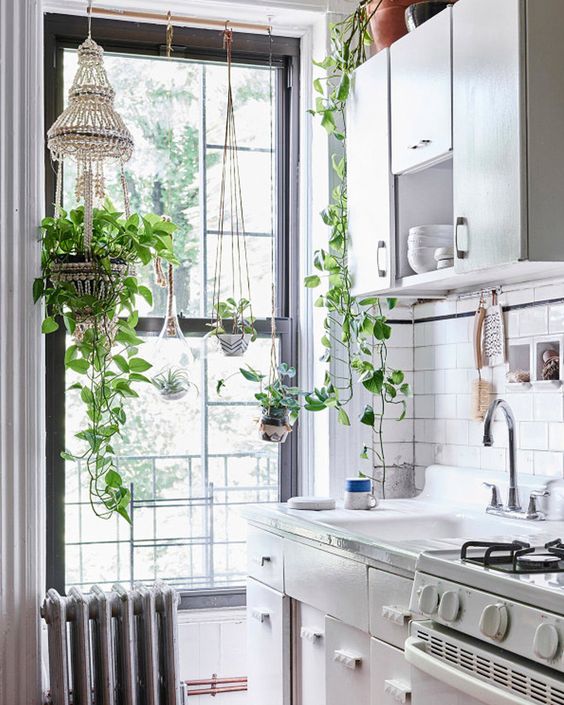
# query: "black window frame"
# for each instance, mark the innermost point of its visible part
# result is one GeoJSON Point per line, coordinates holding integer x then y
{"type": "Point", "coordinates": [68, 31]}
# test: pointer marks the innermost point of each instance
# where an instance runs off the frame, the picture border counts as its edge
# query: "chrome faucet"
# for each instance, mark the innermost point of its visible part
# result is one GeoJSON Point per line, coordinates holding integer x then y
{"type": "Point", "coordinates": [513, 508]}
{"type": "Point", "coordinates": [513, 502]}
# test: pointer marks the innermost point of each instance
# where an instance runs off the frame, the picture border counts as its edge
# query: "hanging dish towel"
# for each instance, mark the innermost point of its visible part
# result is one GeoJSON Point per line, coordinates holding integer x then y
{"type": "Point", "coordinates": [493, 342]}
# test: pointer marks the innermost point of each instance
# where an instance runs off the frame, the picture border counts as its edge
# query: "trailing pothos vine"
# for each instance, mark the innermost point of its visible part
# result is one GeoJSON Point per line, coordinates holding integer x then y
{"type": "Point", "coordinates": [93, 292]}
{"type": "Point", "coordinates": [356, 329]}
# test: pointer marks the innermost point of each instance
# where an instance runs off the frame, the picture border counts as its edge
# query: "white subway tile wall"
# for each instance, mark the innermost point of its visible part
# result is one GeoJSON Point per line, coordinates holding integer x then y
{"type": "Point", "coordinates": [443, 370]}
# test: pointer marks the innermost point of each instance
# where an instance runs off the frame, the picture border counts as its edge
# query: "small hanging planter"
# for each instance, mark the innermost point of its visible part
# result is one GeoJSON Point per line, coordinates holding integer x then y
{"type": "Point", "coordinates": [233, 344]}
{"type": "Point", "coordinates": [172, 383]}
{"type": "Point", "coordinates": [274, 425]}
{"type": "Point", "coordinates": [233, 326]}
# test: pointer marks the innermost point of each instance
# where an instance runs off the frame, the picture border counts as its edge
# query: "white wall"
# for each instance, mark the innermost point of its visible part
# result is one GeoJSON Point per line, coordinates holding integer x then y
{"type": "Point", "coordinates": [444, 370]}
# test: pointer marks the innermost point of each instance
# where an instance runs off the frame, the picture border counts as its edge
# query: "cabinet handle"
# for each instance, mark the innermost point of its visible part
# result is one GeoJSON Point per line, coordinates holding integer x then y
{"type": "Point", "coordinates": [261, 560]}
{"type": "Point", "coordinates": [381, 246]}
{"type": "Point", "coordinates": [347, 659]}
{"type": "Point", "coordinates": [396, 615]}
{"type": "Point", "coordinates": [310, 635]}
{"type": "Point", "coordinates": [461, 246]}
{"type": "Point", "coordinates": [420, 144]}
{"type": "Point", "coordinates": [260, 615]}
{"type": "Point", "coordinates": [400, 691]}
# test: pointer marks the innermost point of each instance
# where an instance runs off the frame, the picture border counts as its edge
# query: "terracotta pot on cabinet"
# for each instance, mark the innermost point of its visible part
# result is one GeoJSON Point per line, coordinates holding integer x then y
{"type": "Point", "coordinates": [388, 22]}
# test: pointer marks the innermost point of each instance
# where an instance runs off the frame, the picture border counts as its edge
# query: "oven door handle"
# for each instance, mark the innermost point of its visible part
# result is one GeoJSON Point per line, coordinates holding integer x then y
{"type": "Point", "coordinates": [416, 655]}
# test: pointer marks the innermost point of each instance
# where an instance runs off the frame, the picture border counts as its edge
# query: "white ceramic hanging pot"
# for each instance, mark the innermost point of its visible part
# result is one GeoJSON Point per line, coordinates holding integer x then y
{"type": "Point", "coordinates": [274, 426]}
{"type": "Point", "coordinates": [234, 344]}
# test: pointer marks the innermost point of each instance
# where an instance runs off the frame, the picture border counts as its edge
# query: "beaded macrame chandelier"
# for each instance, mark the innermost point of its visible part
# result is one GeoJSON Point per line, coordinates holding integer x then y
{"type": "Point", "coordinates": [90, 132]}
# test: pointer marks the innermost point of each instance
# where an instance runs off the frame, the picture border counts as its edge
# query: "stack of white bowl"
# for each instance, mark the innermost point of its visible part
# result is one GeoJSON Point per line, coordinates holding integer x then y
{"type": "Point", "coordinates": [422, 242]}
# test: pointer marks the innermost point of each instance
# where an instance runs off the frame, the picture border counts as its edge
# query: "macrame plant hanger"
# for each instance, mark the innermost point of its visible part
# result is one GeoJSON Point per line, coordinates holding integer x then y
{"type": "Point", "coordinates": [90, 132]}
{"type": "Point", "coordinates": [274, 373]}
{"type": "Point", "coordinates": [172, 353]}
{"type": "Point", "coordinates": [235, 341]}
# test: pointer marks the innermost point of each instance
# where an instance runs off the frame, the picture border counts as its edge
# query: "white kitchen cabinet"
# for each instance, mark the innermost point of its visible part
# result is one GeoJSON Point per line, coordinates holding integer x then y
{"type": "Point", "coordinates": [268, 645]}
{"type": "Point", "coordinates": [265, 557]}
{"type": "Point", "coordinates": [389, 675]}
{"type": "Point", "coordinates": [370, 186]}
{"type": "Point", "coordinates": [309, 660]}
{"type": "Point", "coordinates": [508, 139]}
{"type": "Point", "coordinates": [347, 664]}
{"type": "Point", "coordinates": [389, 596]}
{"type": "Point", "coordinates": [421, 95]}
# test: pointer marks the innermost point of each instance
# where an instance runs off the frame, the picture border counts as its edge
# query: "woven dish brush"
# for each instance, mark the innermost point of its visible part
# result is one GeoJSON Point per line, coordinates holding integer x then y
{"type": "Point", "coordinates": [481, 389]}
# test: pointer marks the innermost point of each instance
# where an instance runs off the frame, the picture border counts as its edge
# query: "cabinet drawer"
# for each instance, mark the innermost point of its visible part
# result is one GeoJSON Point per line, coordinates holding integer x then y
{"type": "Point", "coordinates": [268, 644]}
{"type": "Point", "coordinates": [323, 579]}
{"type": "Point", "coordinates": [421, 71]}
{"type": "Point", "coordinates": [347, 664]}
{"type": "Point", "coordinates": [389, 675]}
{"type": "Point", "coordinates": [265, 557]}
{"type": "Point", "coordinates": [310, 655]}
{"type": "Point", "coordinates": [388, 598]}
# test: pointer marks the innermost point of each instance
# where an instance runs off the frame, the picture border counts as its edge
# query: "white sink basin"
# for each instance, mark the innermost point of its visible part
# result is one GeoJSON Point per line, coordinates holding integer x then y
{"type": "Point", "coordinates": [390, 525]}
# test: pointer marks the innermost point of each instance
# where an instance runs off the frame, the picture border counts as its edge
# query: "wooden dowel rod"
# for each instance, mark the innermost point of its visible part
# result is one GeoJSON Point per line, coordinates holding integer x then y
{"type": "Point", "coordinates": [178, 19]}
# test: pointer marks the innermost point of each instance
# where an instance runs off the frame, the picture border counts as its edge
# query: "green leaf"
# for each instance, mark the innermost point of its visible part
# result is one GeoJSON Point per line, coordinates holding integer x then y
{"type": "Point", "coordinates": [397, 376]}
{"type": "Point", "coordinates": [251, 375]}
{"type": "Point", "coordinates": [374, 382]}
{"type": "Point", "coordinates": [79, 365]}
{"type": "Point", "coordinates": [368, 417]}
{"type": "Point", "coordinates": [343, 417]}
{"type": "Point", "coordinates": [328, 121]}
{"type": "Point", "coordinates": [121, 363]}
{"type": "Point", "coordinates": [392, 303]}
{"type": "Point", "coordinates": [113, 479]}
{"type": "Point", "coordinates": [344, 87]}
{"type": "Point", "coordinates": [38, 288]}
{"type": "Point", "coordinates": [146, 293]}
{"type": "Point", "coordinates": [370, 301]}
{"type": "Point", "coordinates": [312, 281]}
{"type": "Point", "coordinates": [137, 364]}
{"type": "Point", "coordinates": [49, 325]}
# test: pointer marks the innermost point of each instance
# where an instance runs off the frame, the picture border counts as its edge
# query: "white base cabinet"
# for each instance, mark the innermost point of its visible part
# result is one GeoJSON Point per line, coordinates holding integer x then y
{"type": "Point", "coordinates": [347, 664]}
{"type": "Point", "coordinates": [268, 645]}
{"type": "Point", "coordinates": [309, 655]}
{"type": "Point", "coordinates": [389, 675]}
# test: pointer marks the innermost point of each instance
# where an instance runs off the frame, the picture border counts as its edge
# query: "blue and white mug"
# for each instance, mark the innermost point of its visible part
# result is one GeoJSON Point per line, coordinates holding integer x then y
{"type": "Point", "coordinates": [358, 493]}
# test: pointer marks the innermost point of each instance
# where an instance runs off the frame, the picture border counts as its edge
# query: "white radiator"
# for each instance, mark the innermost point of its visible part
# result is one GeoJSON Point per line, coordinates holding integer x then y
{"type": "Point", "coordinates": [116, 648]}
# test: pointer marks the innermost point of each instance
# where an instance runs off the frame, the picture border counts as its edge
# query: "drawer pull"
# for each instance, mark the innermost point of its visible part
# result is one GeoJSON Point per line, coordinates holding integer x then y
{"type": "Point", "coordinates": [400, 691]}
{"type": "Point", "coordinates": [396, 615]}
{"type": "Point", "coordinates": [347, 659]}
{"type": "Point", "coordinates": [461, 244]}
{"type": "Point", "coordinates": [310, 635]}
{"type": "Point", "coordinates": [420, 144]}
{"type": "Point", "coordinates": [260, 615]}
{"type": "Point", "coordinates": [261, 560]}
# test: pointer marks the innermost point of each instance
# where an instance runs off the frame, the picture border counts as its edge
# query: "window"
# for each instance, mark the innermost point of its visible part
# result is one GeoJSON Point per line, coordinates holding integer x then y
{"type": "Point", "coordinates": [192, 464]}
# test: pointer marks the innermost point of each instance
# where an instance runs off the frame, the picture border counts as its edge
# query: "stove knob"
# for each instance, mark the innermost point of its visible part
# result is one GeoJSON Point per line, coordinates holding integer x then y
{"type": "Point", "coordinates": [494, 621]}
{"type": "Point", "coordinates": [546, 642]}
{"type": "Point", "coordinates": [449, 606]}
{"type": "Point", "coordinates": [428, 599]}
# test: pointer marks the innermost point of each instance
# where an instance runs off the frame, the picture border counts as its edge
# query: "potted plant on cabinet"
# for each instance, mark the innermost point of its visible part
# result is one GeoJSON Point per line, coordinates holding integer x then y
{"type": "Point", "coordinates": [234, 326]}
{"type": "Point", "coordinates": [93, 291]}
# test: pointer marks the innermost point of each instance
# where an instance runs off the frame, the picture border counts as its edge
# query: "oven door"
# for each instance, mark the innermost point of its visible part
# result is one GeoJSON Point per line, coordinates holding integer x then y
{"type": "Point", "coordinates": [449, 668]}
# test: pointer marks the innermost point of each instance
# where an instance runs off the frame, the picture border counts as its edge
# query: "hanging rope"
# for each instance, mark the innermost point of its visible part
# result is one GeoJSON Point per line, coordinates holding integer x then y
{"type": "Point", "coordinates": [273, 375]}
{"type": "Point", "coordinates": [89, 19]}
{"type": "Point", "coordinates": [230, 176]}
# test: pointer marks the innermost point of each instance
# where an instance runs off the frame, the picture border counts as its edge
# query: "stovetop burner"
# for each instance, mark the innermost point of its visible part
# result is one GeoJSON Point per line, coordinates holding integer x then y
{"type": "Point", "coordinates": [515, 557]}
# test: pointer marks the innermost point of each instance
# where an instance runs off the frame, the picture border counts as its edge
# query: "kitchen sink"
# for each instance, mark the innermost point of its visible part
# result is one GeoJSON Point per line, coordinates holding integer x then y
{"type": "Point", "coordinates": [392, 525]}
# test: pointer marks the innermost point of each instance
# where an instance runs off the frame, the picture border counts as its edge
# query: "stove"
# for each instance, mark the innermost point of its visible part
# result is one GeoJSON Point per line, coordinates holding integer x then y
{"type": "Point", "coordinates": [506, 594]}
{"type": "Point", "coordinates": [516, 557]}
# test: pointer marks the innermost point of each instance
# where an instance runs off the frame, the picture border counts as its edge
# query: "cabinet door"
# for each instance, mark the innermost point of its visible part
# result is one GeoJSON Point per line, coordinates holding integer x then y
{"type": "Point", "coordinates": [389, 675]}
{"type": "Point", "coordinates": [268, 645]}
{"type": "Point", "coordinates": [421, 71]}
{"type": "Point", "coordinates": [489, 165]}
{"type": "Point", "coordinates": [309, 639]}
{"type": "Point", "coordinates": [389, 597]}
{"type": "Point", "coordinates": [347, 664]}
{"type": "Point", "coordinates": [369, 180]}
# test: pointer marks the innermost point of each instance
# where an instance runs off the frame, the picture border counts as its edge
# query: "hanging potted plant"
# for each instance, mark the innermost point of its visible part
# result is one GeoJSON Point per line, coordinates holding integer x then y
{"type": "Point", "coordinates": [99, 310]}
{"type": "Point", "coordinates": [234, 326]}
{"type": "Point", "coordinates": [173, 383]}
{"type": "Point", "coordinates": [280, 402]}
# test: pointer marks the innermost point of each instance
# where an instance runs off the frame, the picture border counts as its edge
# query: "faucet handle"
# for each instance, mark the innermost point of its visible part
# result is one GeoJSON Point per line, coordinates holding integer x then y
{"type": "Point", "coordinates": [533, 510]}
{"type": "Point", "coordinates": [495, 502]}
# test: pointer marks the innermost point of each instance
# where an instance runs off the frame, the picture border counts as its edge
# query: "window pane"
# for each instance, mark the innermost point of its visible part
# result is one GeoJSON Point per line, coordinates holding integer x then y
{"type": "Point", "coordinates": [175, 110]}
{"type": "Point", "coordinates": [192, 464]}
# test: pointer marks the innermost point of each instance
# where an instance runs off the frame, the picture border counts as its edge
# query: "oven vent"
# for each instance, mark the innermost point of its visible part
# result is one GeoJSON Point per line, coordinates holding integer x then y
{"type": "Point", "coordinates": [527, 682]}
